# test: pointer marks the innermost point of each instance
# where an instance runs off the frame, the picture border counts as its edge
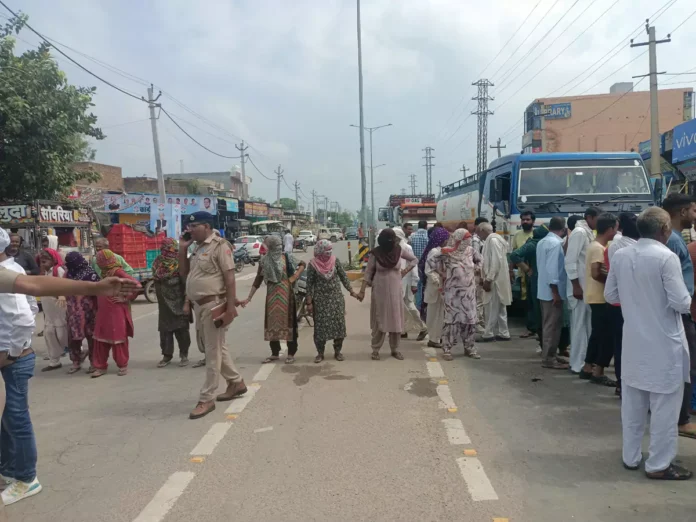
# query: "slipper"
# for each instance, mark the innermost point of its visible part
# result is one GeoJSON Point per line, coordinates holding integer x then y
{"type": "Point", "coordinates": [398, 356]}
{"type": "Point", "coordinates": [51, 368]}
{"type": "Point", "coordinates": [447, 357]}
{"type": "Point", "coordinates": [473, 355]}
{"type": "Point", "coordinates": [97, 373]}
{"type": "Point", "coordinates": [603, 380]}
{"type": "Point", "coordinates": [339, 356]}
{"type": "Point", "coordinates": [183, 362]}
{"type": "Point", "coordinates": [122, 372]}
{"type": "Point", "coordinates": [687, 434]}
{"type": "Point", "coordinates": [671, 473]}
{"type": "Point", "coordinates": [422, 335]}
{"type": "Point", "coordinates": [585, 376]}
{"type": "Point", "coordinates": [270, 359]}
{"type": "Point", "coordinates": [375, 356]}
{"type": "Point", "coordinates": [633, 468]}
{"type": "Point", "coordinates": [164, 362]}
{"type": "Point", "coordinates": [527, 335]}
{"type": "Point", "coordinates": [289, 360]}
{"type": "Point", "coordinates": [555, 365]}
{"type": "Point", "coordinates": [74, 370]}
{"type": "Point", "coordinates": [318, 359]}
{"type": "Point", "coordinates": [198, 364]}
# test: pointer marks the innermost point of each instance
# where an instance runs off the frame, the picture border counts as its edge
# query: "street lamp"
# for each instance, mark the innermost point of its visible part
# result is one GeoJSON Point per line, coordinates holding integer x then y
{"type": "Point", "coordinates": [372, 191]}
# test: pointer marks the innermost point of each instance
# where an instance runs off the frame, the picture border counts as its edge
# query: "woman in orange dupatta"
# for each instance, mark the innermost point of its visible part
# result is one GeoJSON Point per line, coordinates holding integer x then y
{"type": "Point", "coordinates": [114, 322]}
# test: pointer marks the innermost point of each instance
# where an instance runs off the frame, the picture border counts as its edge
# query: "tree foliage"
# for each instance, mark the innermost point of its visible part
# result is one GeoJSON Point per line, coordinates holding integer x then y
{"type": "Point", "coordinates": [44, 123]}
{"type": "Point", "coordinates": [287, 203]}
{"type": "Point", "coordinates": [257, 199]}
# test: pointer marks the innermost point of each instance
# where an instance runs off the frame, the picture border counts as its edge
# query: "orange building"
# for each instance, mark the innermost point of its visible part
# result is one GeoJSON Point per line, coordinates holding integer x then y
{"type": "Point", "coordinates": [613, 122]}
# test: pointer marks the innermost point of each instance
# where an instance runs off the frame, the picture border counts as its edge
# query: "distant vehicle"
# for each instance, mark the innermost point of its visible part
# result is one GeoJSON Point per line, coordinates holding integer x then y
{"type": "Point", "coordinates": [408, 209]}
{"type": "Point", "coordinates": [252, 244]}
{"type": "Point", "coordinates": [308, 237]}
{"type": "Point", "coordinates": [337, 233]}
{"type": "Point", "coordinates": [327, 233]}
{"type": "Point", "coordinates": [352, 233]}
{"type": "Point", "coordinates": [300, 244]}
{"type": "Point", "coordinates": [241, 258]}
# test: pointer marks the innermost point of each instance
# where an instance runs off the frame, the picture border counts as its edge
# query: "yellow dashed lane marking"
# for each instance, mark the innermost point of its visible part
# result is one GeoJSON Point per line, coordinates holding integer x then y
{"type": "Point", "coordinates": [433, 359]}
{"type": "Point", "coordinates": [470, 452]}
{"type": "Point", "coordinates": [452, 410]}
{"type": "Point", "coordinates": [232, 417]}
{"type": "Point", "coordinates": [197, 460]}
{"type": "Point", "coordinates": [443, 382]}
{"type": "Point", "coordinates": [501, 520]}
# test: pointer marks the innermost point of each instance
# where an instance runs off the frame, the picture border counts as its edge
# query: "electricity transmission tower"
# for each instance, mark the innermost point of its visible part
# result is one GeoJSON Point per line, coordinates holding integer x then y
{"type": "Point", "coordinates": [482, 113]}
{"type": "Point", "coordinates": [414, 182]}
{"type": "Point", "coordinates": [428, 169]}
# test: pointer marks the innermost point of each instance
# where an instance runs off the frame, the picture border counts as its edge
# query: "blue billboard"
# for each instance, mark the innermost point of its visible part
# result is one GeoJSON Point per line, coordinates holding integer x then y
{"type": "Point", "coordinates": [556, 111]}
{"type": "Point", "coordinates": [684, 142]}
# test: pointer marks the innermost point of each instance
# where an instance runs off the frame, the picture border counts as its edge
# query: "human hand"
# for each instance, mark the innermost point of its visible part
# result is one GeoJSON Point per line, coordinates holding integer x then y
{"type": "Point", "coordinates": [414, 289]}
{"type": "Point", "coordinates": [404, 272]}
{"type": "Point", "coordinates": [187, 307]}
{"type": "Point", "coordinates": [310, 308]}
{"type": "Point", "coordinates": [557, 301]}
{"type": "Point", "coordinates": [185, 243]}
{"type": "Point", "coordinates": [116, 287]}
{"type": "Point", "coordinates": [227, 317]}
{"type": "Point", "coordinates": [603, 269]}
{"type": "Point", "coordinates": [487, 286]}
{"type": "Point", "coordinates": [361, 296]}
{"type": "Point", "coordinates": [577, 291]}
{"type": "Point", "coordinates": [61, 302]}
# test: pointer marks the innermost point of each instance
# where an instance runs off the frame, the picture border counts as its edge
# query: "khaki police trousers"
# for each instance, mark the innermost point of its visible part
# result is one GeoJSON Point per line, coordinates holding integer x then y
{"type": "Point", "coordinates": [217, 356]}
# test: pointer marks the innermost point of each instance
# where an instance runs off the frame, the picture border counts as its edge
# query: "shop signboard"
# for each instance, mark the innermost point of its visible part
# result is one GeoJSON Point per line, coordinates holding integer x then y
{"type": "Point", "coordinates": [684, 142]}
{"type": "Point", "coordinates": [57, 215]}
{"type": "Point", "coordinates": [275, 212]}
{"type": "Point", "coordinates": [141, 203]}
{"type": "Point", "coordinates": [231, 204]}
{"type": "Point", "coordinates": [556, 111]}
{"type": "Point", "coordinates": [15, 214]}
{"type": "Point", "coordinates": [255, 209]}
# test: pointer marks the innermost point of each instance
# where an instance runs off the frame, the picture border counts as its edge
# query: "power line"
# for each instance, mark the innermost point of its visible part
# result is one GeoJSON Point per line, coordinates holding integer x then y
{"type": "Point", "coordinates": [683, 22]}
{"type": "Point", "coordinates": [139, 98]}
{"type": "Point", "coordinates": [194, 139]}
{"type": "Point", "coordinates": [257, 169]}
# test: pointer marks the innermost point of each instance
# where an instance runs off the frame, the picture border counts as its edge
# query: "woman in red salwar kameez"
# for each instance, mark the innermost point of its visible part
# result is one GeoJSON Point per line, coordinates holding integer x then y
{"type": "Point", "coordinates": [114, 322]}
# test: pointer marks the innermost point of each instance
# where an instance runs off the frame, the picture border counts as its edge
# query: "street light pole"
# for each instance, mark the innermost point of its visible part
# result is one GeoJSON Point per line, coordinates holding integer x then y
{"type": "Point", "coordinates": [372, 177]}
{"type": "Point", "coordinates": [363, 195]}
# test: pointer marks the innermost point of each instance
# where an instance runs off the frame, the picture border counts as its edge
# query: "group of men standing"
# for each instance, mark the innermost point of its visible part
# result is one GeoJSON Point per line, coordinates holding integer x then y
{"type": "Point", "coordinates": [627, 283]}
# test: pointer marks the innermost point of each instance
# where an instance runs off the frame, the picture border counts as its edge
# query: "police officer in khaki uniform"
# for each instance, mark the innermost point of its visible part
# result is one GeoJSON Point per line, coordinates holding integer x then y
{"type": "Point", "coordinates": [210, 284]}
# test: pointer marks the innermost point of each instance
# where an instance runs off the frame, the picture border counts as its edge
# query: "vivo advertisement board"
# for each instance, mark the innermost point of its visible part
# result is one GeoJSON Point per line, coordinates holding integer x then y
{"type": "Point", "coordinates": [684, 142]}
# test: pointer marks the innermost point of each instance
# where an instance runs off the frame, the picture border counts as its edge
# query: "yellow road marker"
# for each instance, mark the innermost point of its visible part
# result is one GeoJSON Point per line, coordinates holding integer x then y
{"type": "Point", "coordinates": [443, 382]}
{"type": "Point", "coordinates": [232, 417]}
{"type": "Point", "coordinates": [501, 520]}
{"type": "Point", "coordinates": [452, 410]}
{"type": "Point", "coordinates": [470, 452]}
{"type": "Point", "coordinates": [197, 460]}
{"type": "Point", "coordinates": [433, 359]}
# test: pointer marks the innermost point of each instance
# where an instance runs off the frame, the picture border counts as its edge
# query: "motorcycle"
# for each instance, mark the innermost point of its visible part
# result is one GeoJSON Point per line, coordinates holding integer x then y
{"type": "Point", "coordinates": [300, 244]}
{"type": "Point", "coordinates": [241, 258]}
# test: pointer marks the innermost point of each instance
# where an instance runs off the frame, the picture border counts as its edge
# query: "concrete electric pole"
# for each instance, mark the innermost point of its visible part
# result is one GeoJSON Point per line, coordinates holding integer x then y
{"type": "Point", "coordinates": [463, 170]}
{"type": "Point", "coordinates": [242, 152]}
{"type": "Point", "coordinates": [155, 141]}
{"type": "Point", "coordinates": [655, 168]}
{"type": "Point", "coordinates": [297, 199]}
{"type": "Point", "coordinates": [279, 175]}
{"type": "Point", "coordinates": [372, 173]}
{"type": "Point", "coordinates": [429, 169]}
{"type": "Point", "coordinates": [363, 181]}
{"type": "Point", "coordinates": [498, 146]}
{"type": "Point", "coordinates": [314, 208]}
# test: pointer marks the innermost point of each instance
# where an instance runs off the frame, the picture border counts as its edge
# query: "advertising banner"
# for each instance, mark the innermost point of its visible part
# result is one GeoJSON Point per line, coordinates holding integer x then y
{"type": "Point", "coordinates": [141, 203]}
{"type": "Point", "coordinates": [15, 214]}
{"type": "Point", "coordinates": [166, 218]}
{"type": "Point", "coordinates": [684, 142]}
{"type": "Point", "coordinates": [556, 111]}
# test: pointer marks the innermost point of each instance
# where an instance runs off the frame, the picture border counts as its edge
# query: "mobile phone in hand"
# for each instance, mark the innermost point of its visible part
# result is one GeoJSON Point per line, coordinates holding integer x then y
{"type": "Point", "coordinates": [187, 236]}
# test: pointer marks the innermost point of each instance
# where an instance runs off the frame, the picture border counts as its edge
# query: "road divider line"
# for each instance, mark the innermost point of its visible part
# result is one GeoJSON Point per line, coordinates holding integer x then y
{"type": "Point", "coordinates": [261, 430]}
{"type": "Point", "coordinates": [456, 432]}
{"type": "Point", "coordinates": [238, 405]}
{"type": "Point", "coordinates": [435, 370]}
{"type": "Point", "coordinates": [446, 400]}
{"type": "Point", "coordinates": [211, 439]}
{"type": "Point", "coordinates": [165, 498]}
{"type": "Point", "coordinates": [480, 488]}
{"type": "Point", "coordinates": [263, 372]}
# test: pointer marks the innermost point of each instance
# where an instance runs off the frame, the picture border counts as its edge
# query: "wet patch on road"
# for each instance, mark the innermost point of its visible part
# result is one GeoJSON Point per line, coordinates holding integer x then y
{"type": "Point", "coordinates": [303, 373]}
{"type": "Point", "coordinates": [422, 387]}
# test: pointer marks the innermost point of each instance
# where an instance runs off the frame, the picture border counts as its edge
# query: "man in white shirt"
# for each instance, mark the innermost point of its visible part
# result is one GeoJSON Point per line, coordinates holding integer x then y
{"type": "Point", "coordinates": [646, 280]}
{"type": "Point", "coordinates": [580, 314]}
{"type": "Point", "coordinates": [497, 291]}
{"type": "Point", "coordinates": [409, 283]}
{"type": "Point", "coordinates": [288, 242]}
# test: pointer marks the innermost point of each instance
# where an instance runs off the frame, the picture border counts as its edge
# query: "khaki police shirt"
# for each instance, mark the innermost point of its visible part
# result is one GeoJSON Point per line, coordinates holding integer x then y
{"type": "Point", "coordinates": [208, 264]}
{"type": "Point", "coordinates": [7, 280]}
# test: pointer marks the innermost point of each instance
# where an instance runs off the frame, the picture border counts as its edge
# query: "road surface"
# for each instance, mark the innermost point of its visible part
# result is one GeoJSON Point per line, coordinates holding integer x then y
{"type": "Point", "coordinates": [421, 439]}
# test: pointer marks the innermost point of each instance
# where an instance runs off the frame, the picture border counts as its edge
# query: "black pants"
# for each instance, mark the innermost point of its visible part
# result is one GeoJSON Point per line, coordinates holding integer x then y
{"type": "Point", "coordinates": [183, 338]}
{"type": "Point", "coordinates": [616, 321]}
{"type": "Point", "coordinates": [600, 347]}
{"type": "Point", "coordinates": [292, 345]}
{"type": "Point", "coordinates": [321, 345]}
{"type": "Point", "coordinates": [690, 331]}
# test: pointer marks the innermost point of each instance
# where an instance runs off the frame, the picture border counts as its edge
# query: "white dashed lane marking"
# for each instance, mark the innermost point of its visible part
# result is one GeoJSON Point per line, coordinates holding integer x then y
{"type": "Point", "coordinates": [263, 372]}
{"type": "Point", "coordinates": [456, 432]}
{"type": "Point", "coordinates": [238, 405]}
{"type": "Point", "coordinates": [435, 370]}
{"type": "Point", "coordinates": [446, 400]}
{"type": "Point", "coordinates": [165, 498]}
{"type": "Point", "coordinates": [480, 488]}
{"type": "Point", "coordinates": [211, 439]}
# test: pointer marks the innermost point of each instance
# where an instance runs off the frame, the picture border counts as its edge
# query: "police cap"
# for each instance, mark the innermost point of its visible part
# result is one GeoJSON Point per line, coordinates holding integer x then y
{"type": "Point", "coordinates": [200, 217]}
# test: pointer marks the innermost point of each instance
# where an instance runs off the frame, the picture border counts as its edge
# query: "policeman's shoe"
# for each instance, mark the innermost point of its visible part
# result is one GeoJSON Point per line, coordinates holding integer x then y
{"type": "Point", "coordinates": [202, 409]}
{"type": "Point", "coordinates": [234, 389]}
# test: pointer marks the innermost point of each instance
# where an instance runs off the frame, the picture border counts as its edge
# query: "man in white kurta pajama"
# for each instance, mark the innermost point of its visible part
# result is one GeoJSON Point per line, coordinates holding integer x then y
{"type": "Point", "coordinates": [497, 293]}
{"type": "Point", "coordinates": [646, 280]}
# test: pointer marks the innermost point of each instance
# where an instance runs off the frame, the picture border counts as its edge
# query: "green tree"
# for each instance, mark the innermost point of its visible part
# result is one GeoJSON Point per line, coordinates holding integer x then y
{"type": "Point", "coordinates": [43, 123]}
{"type": "Point", "coordinates": [287, 203]}
{"type": "Point", "coordinates": [257, 199]}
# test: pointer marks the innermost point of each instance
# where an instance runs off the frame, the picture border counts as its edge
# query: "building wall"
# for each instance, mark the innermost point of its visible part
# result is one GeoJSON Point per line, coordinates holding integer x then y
{"type": "Point", "coordinates": [111, 176]}
{"type": "Point", "coordinates": [172, 186]}
{"type": "Point", "coordinates": [618, 127]}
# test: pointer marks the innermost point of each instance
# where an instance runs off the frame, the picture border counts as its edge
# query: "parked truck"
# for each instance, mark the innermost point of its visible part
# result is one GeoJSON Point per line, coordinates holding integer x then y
{"type": "Point", "coordinates": [409, 209]}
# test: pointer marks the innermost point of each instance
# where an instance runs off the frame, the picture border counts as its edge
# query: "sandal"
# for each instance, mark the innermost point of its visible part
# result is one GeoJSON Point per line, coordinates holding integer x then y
{"type": "Point", "coordinates": [318, 358]}
{"type": "Point", "coordinates": [564, 353]}
{"type": "Point", "coordinates": [270, 359]}
{"type": "Point", "coordinates": [603, 380]}
{"type": "Point", "coordinates": [98, 373]}
{"type": "Point", "coordinates": [183, 362]}
{"type": "Point", "coordinates": [91, 369]}
{"type": "Point", "coordinates": [527, 335]}
{"type": "Point", "coordinates": [164, 362]}
{"type": "Point", "coordinates": [51, 368]}
{"type": "Point", "coordinates": [122, 372]}
{"type": "Point", "coordinates": [671, 473]}
{"type": "Point", "coordinates": [555, 365]}
{"type": "Point", "coordinates": [375, 356]}
{"type": "Point", "coordinates": [289, 359]}
{"type": "Point", "coordinates": [398, 356]}
{"type": "Point", "coordinates": [74, 369]}
{"type": "Point", "coordinates": [447, 357]}
{"type": "Point", "coordinates": [473, 355]}
{"type": "Point", "coordinates": [339, 356]}
{"type": "Point", "coordinates": [200, 363]}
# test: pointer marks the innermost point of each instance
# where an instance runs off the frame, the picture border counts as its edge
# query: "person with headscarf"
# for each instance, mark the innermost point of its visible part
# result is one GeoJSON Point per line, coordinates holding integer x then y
{"type": "Point", "coordinates": [114, 322]}
{"type": "Point", "coordinates": [54, 308]}
{"type": "Point", "coordinates": [280, 272]}
{"type": "Point", "coordinates": [82, 312]}
{"type": "Point", "coordinates": [325, 301]}
{"type": "Point", "coordinates": [384, 276]}
{"type": "Point", "coordinates": [433, 306]}
{"type": "Point", "coordinates": [456, 268]}
{"type": "Point", "coordinates": [173, 320]}
{"type": "Point", "coordinates": [409, 287]}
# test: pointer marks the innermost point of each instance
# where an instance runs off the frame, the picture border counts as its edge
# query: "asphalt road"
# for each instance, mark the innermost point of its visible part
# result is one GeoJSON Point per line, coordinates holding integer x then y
{"type": "Point", "coordinates": [419, 439]}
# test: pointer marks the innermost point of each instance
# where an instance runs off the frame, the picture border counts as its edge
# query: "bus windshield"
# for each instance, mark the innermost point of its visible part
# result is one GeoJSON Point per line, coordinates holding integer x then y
{"type": "Point", "coordinates": [559, 179]}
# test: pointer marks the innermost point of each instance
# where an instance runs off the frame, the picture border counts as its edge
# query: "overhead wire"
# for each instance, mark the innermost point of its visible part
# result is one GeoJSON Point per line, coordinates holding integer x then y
{"type": "Point", "coordinates": [194, 139]}
{"type": "Point", "coordinates": [258, 170]}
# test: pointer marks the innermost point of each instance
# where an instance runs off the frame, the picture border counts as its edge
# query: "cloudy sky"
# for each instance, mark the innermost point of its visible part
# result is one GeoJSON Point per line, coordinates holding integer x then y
{"type": "Point", "coordinates": [283, 76]}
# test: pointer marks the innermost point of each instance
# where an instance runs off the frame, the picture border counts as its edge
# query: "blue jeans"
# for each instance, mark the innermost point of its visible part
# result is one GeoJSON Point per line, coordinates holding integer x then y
{"type": "Point", "coordinates": [17, 441]}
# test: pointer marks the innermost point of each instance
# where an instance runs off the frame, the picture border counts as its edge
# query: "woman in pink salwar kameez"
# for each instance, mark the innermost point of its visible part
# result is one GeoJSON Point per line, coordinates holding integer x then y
{"type": "Point", "coordinates": [114, 322]}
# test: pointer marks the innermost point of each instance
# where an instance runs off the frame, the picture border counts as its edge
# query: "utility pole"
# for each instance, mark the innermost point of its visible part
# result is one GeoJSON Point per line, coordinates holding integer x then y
{"type": "Point", "coordinates": [463, 170]}
{"type": "Point", "coordinates": [155, 141]}
{"type": "Point", "coordinates": [326, 211]}
{"type": "Point", "coordinates": [314, 200]}
{"type": "Point", "coordinates": [279, 175]}
{"type": "Point", "coordinates": [363, 181]}
{"type": "Point", "coordinates": [297, 199]}
{"type": "Point", "coordinates": [482, 113]}
{"type": "Point", "coordinates": [181, 166]}
{"type": "Point", "coordinates": [372, 173]}
{"type": "Point", "coordinates": [242, 152]}
{"type": "Point", "coordinates": [498, 146]}
{"type": "Point", "coordinates": [414, 182]}
{"type": "Point", "coordinates": [429, 169]}
{"type": "Point", "coordinates": [403, 192]}
{"type": "Point", "coordinates": [439, 186]}
{"type": "Point", "coordinates": [655, 168]}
